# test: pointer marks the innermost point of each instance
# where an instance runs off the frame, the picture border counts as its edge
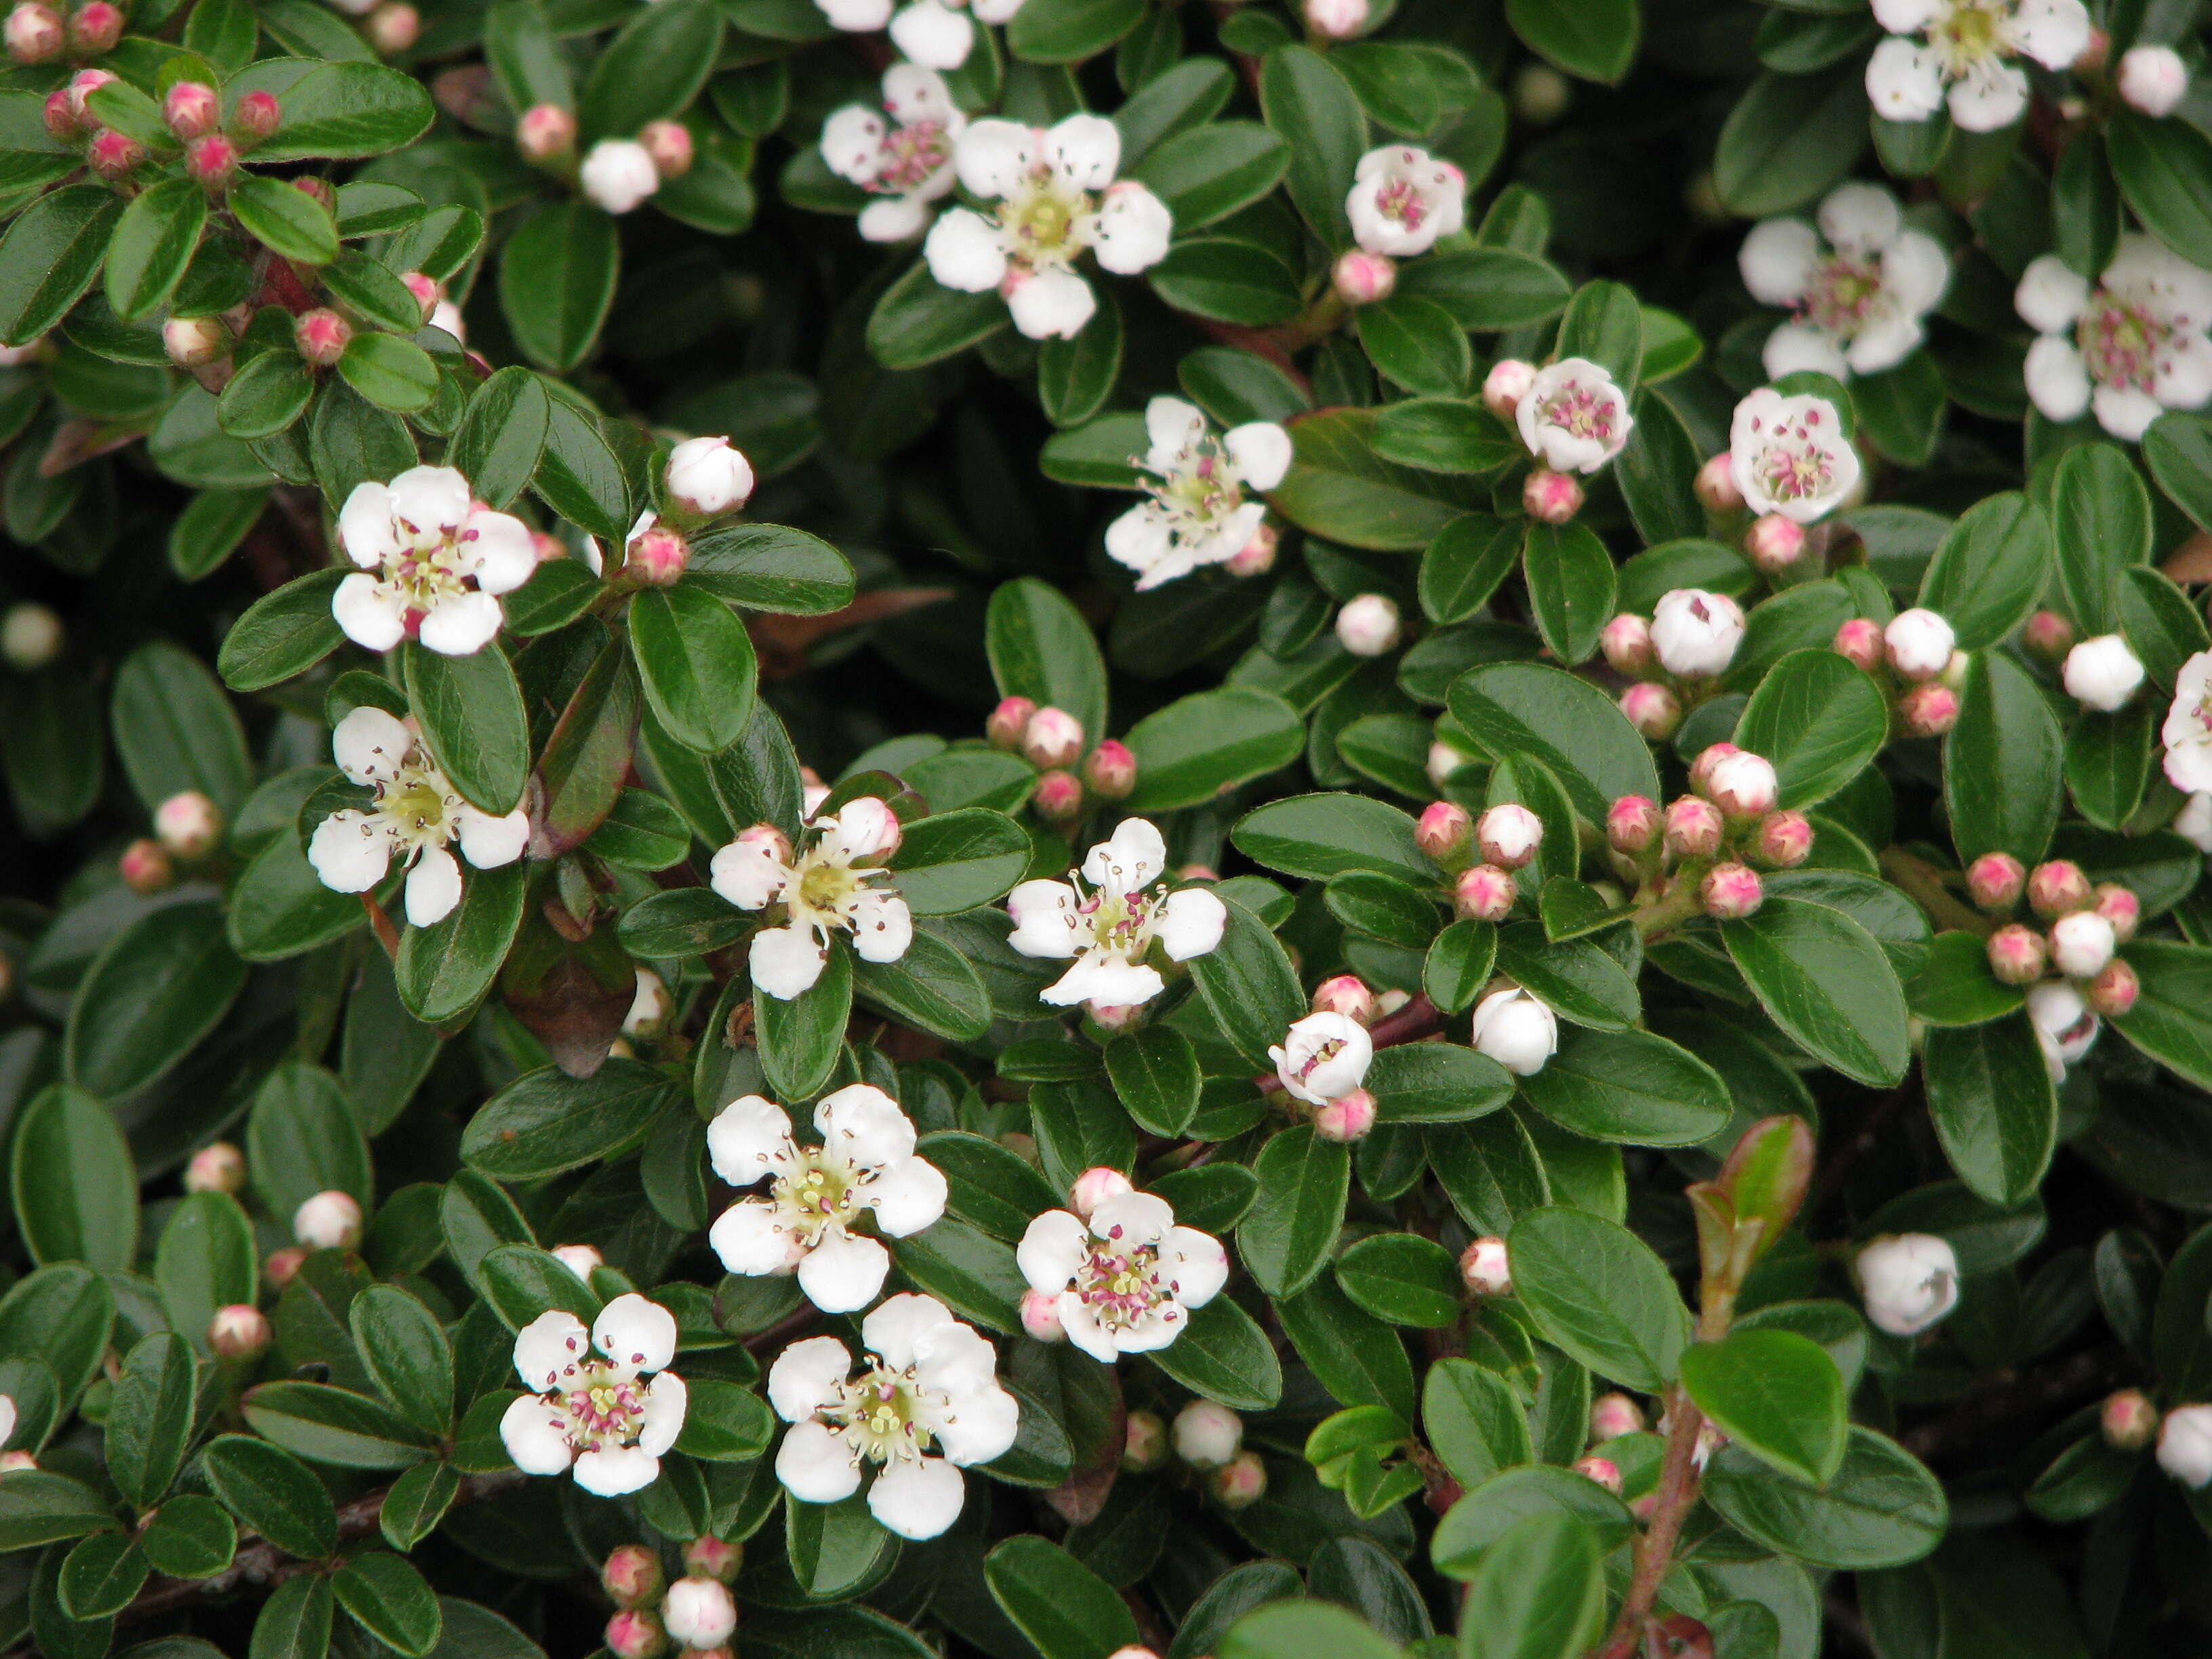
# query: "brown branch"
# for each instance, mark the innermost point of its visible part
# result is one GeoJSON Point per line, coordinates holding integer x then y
{"type": "Point", "coordinates": [1655, 1549]}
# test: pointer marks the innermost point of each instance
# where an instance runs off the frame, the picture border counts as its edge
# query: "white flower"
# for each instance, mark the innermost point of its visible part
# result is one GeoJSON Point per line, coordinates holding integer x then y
{"type": "Point", "coordinates": [327, 1221]}
{"type": "Point", "coordinates": [2065, 1030]}
{"type": "Point", "coordinates": [2187, 733]}
{"type": "Point", "coordinates": [1056, 194]}
{"type": "Point", "coordinates": [817, 1194]}
{"type": "Point", "coordinates": [1368, 625]}
{"type": "Point", "coordinates": [2081, 944]}
{"type": "Point", "coordinates": [1110, 930]}
{"type": "Point", "coordinates": [1324, 1057]}
{"type": "Point", "coordinates": [2152, 79]}
{"type": "Point", "coordinates": [619, 174]}
{"type": "Point", "coordinates": [1207, 1434]}
{"type": "Point", "coordinates": [579, 1259]}
{"type": "Point", "coordinates": [1860, 284]}
{"type": "Point", "coordinates": [1966, 46]}
{"type": "Point", "coordinates": [1126, 1280]}
{"type": "Point", "coordinates": [931, 1385]}
{"type": "Point", "coordinates": [1789, 455]}
{"type": "Point", "coordinates": [599, 1411]}
{"type": "Point", "coordinates": [1909, 1281]}
{"type": "Point", "coordinates": [2102, 673]}
{"type": "Point", "coordinates": [416, 812]}
{"type": "Point", "coordinates": [1403, 199]}
{"type": "Point", "coordinates": [935, 33]}
{"type": "Point", "coordinates": [823, 891]}
{"type": "Point", "coordinates": [2129, 350]}
{"type": "Point", "coordinates": [2194, 821]}
{"type": "Point", "coordinates": [698, 1612]}
{"type": "Point", "coordinates": [431, 560]}
{"type": "Point", "coordinates": [1918, 643]}
{"type": "Point", "coordinates": [2185, 1444]}
{"type": "Point", "coordinates": [1198, 512]}
{"type": "Point", "coordinates": [1516, 1030]}
{"type": "Point", "coordinates": [649, 1006]}
{"type": "Point", "coordinates": [706, 477]}
{"type": "Point", "coordinates": [904, 162]}
{"type": "Point", "coordinates": [1573, 418]}
{"type": "Point", "coordinates": [1695, 634]}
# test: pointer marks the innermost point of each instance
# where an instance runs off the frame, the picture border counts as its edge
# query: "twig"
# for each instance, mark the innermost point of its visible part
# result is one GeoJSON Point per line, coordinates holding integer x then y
{"type": "Point", "coordinates": [1655, 1549]}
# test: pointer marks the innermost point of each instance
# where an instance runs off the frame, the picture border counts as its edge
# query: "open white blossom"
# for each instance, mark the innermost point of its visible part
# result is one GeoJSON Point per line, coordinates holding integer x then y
{"type": "Point", "coordinates": [432, 561]}
{"type": "Point", "coordinates": [904, 161]}
{"type": "Point", "coordinates": [1197, 513]}
{"type": "Point", "coordinates": [2129, 350]}
{"type": "Point", "coordinates": [2187, 733]}
{"type": "Point", "coordinates": [1859, 284]}
{"type": "Point", "coordinates": [817, 1195]}
{"type": "Point", "coordinates": [1789, 455]}
{"type": "Point", "coordinates": [1111, 929]}
{"type": "Point", "coordinates": [1909, 1282]}
{"type": "Point", "coordinates": [591, 1401]}
{"type": "Point", "coordinates": [1573, 417]}
{"type": "Point", "coordinates": [416, 812]}
{"type": "Point", "coordinates": [824, 889]}
{"type": "Point", "coordinates": [1124, 1279]}
{"type": "Point", "coordinates": [1960, 52]}
{"type": "Point", "coordinates": [926, 1404]}
{"type": "Point", "coordinates": [936, 33]}
{"type": "Point", "coordinates": [2065, 1028]}
{"type": "Point", "coordinates": [1695, 634]}
{"type": "Point", "coordinates": [1403, 199]}
{"type": "Point", "coordinates": [1324, 1057]}
{"type": "Point", "coordinates": [1056, 197]}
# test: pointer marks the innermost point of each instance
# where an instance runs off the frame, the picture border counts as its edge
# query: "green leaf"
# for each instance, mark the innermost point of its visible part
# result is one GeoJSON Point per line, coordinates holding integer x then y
{"type": "Point", "coordinates": [1200, 746]}
{"type": "Point", "coordinates": [295, 1622]}
{"type": "Point", "coordinates": [406, 1355]}
{"type": "Point", "coordinates": [556, 283]}
{"type": "Point", "coordinates": [1224, 1356]}
{"type": "Point", "coordinates": [75, 1186]}
{"type": "Point", "coordinates": [971, 1273]}
{"type": "Point", "coordinates": [1595, 40]}
{"type": "Point", "coordinates": [205, 1259]}
{"type": "Point", "coordinates": [949, 862]}
{"type": "Point", "coordinates": [1776, 1393]}
{"type": "Point", "coordinates": [1404, 1279]}
{"type": "Point", "coordinates": [1473, 1420]}
{"type": "Point", "coordinates": [2172, 1021]}
{"type": "Point", "coordinates": [161, 986]}
{"type": "Point", "coordinates": [771, 567]}
{"type": "Point", "coordinates": [1571, 589]}
{"type": "Point", "coordinates": [1382, 907]}
{"type": "Point", "coordinates": [695, 660]}
{"type": "Point", "coordinates": [1597, 1292]}
{"type": "Point", "coordinates": [1248, 984]}
{"type": "Point", "coordinates": [653, 67]}
{"type": "Point", "coordinates": [1436, 1083]}
{"type": "Point", "coordinates": [2002, 764]}
{"type": "Point", "coordinates": [443, 970]}
{"type": "Point", "coordinates": [1989, 571]}
{"type": "Point", "coordinates": [273, 1492]}
{"type": "Point", "coordinates": [521, 1282]}
{"type": "Point", "coordinates": [932, 987]}
{"type": "Point", "coordinates": [800, 1036]}
{"type": "Point", "coordinates": [415, 1503]}
{"type": "Point", "coordinates": [1567, 723]}
{"type": "Point", "coordinates": [153, 241]}
{"type": "Point", "coordinates": [1288, 1235]}
{"type": "Point", "coordinates": [1156, 1073]}
{"type": "Point", "coordinates": [391, 372]}
{"type": "Point", "coordinates": [725, 1422]}
{"type": "Point", "coordinates": [1064, 1609]}
{"type": "Point", "coordinates": [1538, 1594]}
{"type": "Point", "coordinates": [1448, 435]}
{"type": "Point", "coordinates": [1041, 649]}
{"type": "Point", "coordinates": [2165, 171]}
{"type": "Point", "coordinates": [174, 729]}
{"type": "Point", "coordinates": [1319, 117]}
{"type": "Point", "coordinates": [546, 1122]}
{"type": "Point", "coordinates": [1656, 469]}
{"type": "Point", "coordinates": [150, 1418]}
{"type": "Point", "coordinates": [1818, 720]}
{"type": "Point", "coordinates": [336, 109]}
{"type": "Point", "coordinates": [1789, 138]}
{"type": "Point", "coordinates": [991, 1186]}
{"type": "Point", "coordinates": [101, 1575]}
{"type": "Point", "coordinates": [390, 1599]}
{"type": "Point", "coordinates": [1297, 1629]}
{"type": "Point", "coordinates": [502, 432]}
{"type": "Point", "coordinates": [1476, 1522]}
{"type": "Point", "coordinates": [1417, 343]}
{"type": "Point", "coordinates": [1881, 1509]}
{"type": "Point", "coordinates": [1321, 836]}
{"type": "Point", "coordinates": [2100, 524]}
{"type": "Point", "coordinates": [50, 256]}
{"type": "Point", "coordinates": [471, 715]}
{"type": "Point", "coordinates": [1226, 280]}
{"type": "Point", "coordinates": [919, 321]}
{"type": "Point", "coordinates": [1629, 1086]}
{"type": "Point", "coordinates": [326, 1425]}
{"type": "Point", "coordinates": [1990, 1098]}
{"type": "Point", "coordinates": [1575, 978]}
{"type": "Point", "coordinates": [1463, 566]}
{"type": "Point", "coordinates": [1339, 486]}
{"type": "Point", "coordinates": [289, 222]}
{"type": "Point", "coordinates": [39, 1507]}
{"type": "Point", "coordinates": [1209, 172]}
{"type": "Point", "coordinates": [1827, 984]}
{"type": "Point", "coordinates": [1076, 376]}
{"type": "Point", "coordinates": [192, 1537]}
{"type": "Point", "coordinates": [2177, 449]}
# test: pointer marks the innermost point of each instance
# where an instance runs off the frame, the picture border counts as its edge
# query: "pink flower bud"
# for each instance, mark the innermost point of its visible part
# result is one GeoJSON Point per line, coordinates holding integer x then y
{"type": "Point", "coordinates": [669, 144]}
{"type": "Point", "coordinates": [1144, 1443]}
{"type": "Point", "coordinates": [1652, 709]}
{"type": "Point", "coordinates": [1040, 1316]}
{"type": "Point", "coordinates": [1485, 893]}
{"type": "Point", "coordinates": [1505, 385]}
{"type": "Point", "coordinates": [328, 1221]}
{"type": "Point", "coordinates": [1346, 1118]}
{"type": "Point", "coordinates": [1095, 1186]}
{"type": "Point", "coordinates": [321, 334]}
{"type": "Point", "coordinates": [546, 132]}
{"type": "Point", "coordinates": [1784, 840]}
{"type": "Point", "coordinates": [1731, 892]}
{"type": "Point", "coordinates": [1626, 642]}
{"type": "Point", "coordinates": [632, 1576]}
{"type": "Point", "coordinates": [145, 867]}
{"type": "Point", "coordinates": [191, 109]}
{"type": "Point", "coordinates": [548, 548]}
{"type": "Point", "coordinates": [1336, 20]}
{"type": "Point", "coordinates": [768, 839]}
{"type": "Point", "coordinates": [1486, 1269]}
{"type": "Point", "coordinates": [1508, 835]}
{"type": "Point", "coordinates": [217, 1167]}
{"type": "Point", "coordinates": [1057, 796]}
{"type": "Point", "coordinates": [1444, 832]}
{"type": "Point", "coordinates": [1346, 994]}
{"type": "Point", "coordinates": [34, 34]}
{"type": "Point", "coordinates": [61, 119]}
{"type": "Point", "coordinates": [211, 162]}
{"type": "Point", "coordinates": [1361, 278]}
{"type": "Point", "coordinates": [1631, 822]}
{"type": "Point", "coordinates": [2114, 990]}
{"type": "Point", "coordinates": [318, 190]}
{"type": "Point", "coordinates": [393, 27]}
{"type": "Point", "coordinates": [1715, 486]}
{"type": "Point", "coordinates": [1603, 1470]}
{"type": "Point", "coordinates": [1110, 771]}
{"type": "Point", "coordinates": [255, 117]}
{"type": "Point", "coordinates": [2081, 943]}
{"type": "Point", "coordinates": [1613, 1415]}
{"type": "Point", "coordinates": [1928, 710]}
{"type": "Point", "coordinates": [1052, 737]}
{"type": "Point", "coordinates": [1551, 497]}
{"type": "Point", "coordinates": [1995, 882]}
{"type": "Point", "coordinates": [2016, 955]}
{"type": "Point", "coordinates": [1918, 643]}
{"type": "Point", "coordinates": [94, 27]}
{"type": "Point", "coordinates": [1008, 721]}
{"type": "Point", "coordinates": [2128, 1420]}
{"type": "Point", "coordinates": [81, 86]}
{"type": "Point", "coordinates": [1742, 785]}
{"type": "Point", "coordinates": [188, 824]}
{"type": "Point", "coordinates": [657, 556]}
{"type": "Point", "coordinates": [1774, 543]}
{"type": "Point", "coordinates": [1368, 625]}
{"type": "Point", "coordinates": [426, 291]}
{"type": "Point", "coordinates": [699, 1612]}
{"type": "Point", "coordinates": [239, 1331]}
{"type": "Point", "coordinates": [578, 1259]}
{"type": "Point", "coordinates": [1693, 828]}
{"type": "Point", "coordinates": [2152, 80]}
{"type": "Point", "coordinates": [1859, 641]}
{"type": "Point", "coordinates": [2057, 887]}
{"type": "Point", "coordinates": [281, 1266]}
{"type": "Point", "coordinates": [1257, 557]}
{"type": "Point", "coordinates": [2048, 636]}
{"type": "Point", "coordinates": [1239, 1483]}
{"type": "Point", "coordinates": [1701, 769]}
{"type": "Point", "coordinates": [1207, 1434]}
{"type": "Point", "coordinates": [634, 1633]}
{"type": "Point", "coordinates": [112, 156]}
{"type": "Point", "coordinates": [2120, 907]}
{"type": "Point", "coordinates": [1133, 1653]}
{"type": "Point", "coordinates": [195, 342]}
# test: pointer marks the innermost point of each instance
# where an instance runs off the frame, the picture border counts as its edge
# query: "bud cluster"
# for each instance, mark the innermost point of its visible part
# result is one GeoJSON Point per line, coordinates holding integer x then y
{"type": "Point", "coordinates": [1721, 835]}
{"type": "Point", "coordinates": [2083, 926]}
{"type": "Point", "coordinates": [1482, 854]}
{"type": "Point", "coordinates": [1674, 657]}
{"type": "Point", "coordinates": [695, 1614]}
{"type": "Point", "coordinates": [1916, 658]}
{"type": "Point", "coordinates": [1054, 741]}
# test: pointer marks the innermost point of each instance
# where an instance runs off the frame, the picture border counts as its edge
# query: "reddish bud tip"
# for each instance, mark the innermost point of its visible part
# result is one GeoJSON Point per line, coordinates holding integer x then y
{"type": "Point", "coordinates": [1444, 833]}
{"type": "Point", "coordinates": [191, 109]}
{"type": "Point", "coordinates": [1346, 1118]}
{"type": "Point", "coordinates": [1715, 485]}
{"type": "Point", "coordinates": [545, 133]}
{"type": "Point", "coordinates": [112, 156]}
{"type": "Point", "coordinates": [1929, 709]}
{"type": "Point", "coordinates": [1505, 385]}
{"type": "Point", "coordinates": [2119, 906]}
{"type": "Point", "coordinates": [217, 1167]}
{"type": "Point", "coordinates": [192, 342]}
{"type": "Point", "coordinates": [2047, 635]}
{"type": "Point", "coordinates": [1485, 893]}
{"type": "Point", "coordinates": [93, 29]}
{"type": "Point", "coordinates": [255, 118]}
{"type": "Point", "coordinates": [1110, 771]}
{"type": "Point", "coordinates": [1361, 278]}
{"type": "Point", "coordinates": [34, 34]}
{"type": "Point", "coordinates": [1693, 828]}
{"type": "Point", "coordinates": [1631, 822]}
{"type": "Point", "coordinates": [2057, 887]}
{"type": "Point", "coordinates": [145, 867]}
{"type": "Point", "coordinates": [1652, 709]}
{"type": "Point", "coordinates": [1784, 840]}
{"type": "Point", "coordinates": [1257, 557]}
{"type": "Point", "coordinates": [1860, 641]}
{"type": "Point", "coordinates": [322, 336]}
{"type": "Point", "coordinates": [1731, 892]}
{"type": "Point", "coordinates": [1626, 642]}
{"type": "Point", "coordinates": [632, 1576]}
{"type": "Point", "coordinates": [669, 144]}
{"type": "Point", "coordinates": [1052, 737]}
{"type": "Point", "coordinates": [211, 162]}
{"type": "Point", "coordinates": [657, 556]}
{"type": "Point", "coordinates": [1551, 497]}
{"type": "Point", "coordinates": [1008, 722]}
{"type": "Point", "coordinates": [1602, 1470]}
{"type": "Point", "coordinates": [1058, 796]}
{"type": "Point", "coordinates": [1485, 1268]}
{"type": "Point", "coordinates": [1995, 882]}
{"type": "Point", "coordinates": [2114, 990]}
{"type": "Point", "coordinates": [239, 1331]}
{"type": "Point", "coordinates": [426, 291]}
{"type": "Point", "coordinates": [393, 27]}
{"type": "Point", "coordinates": [1346, 994]}
{"type": "Point", "coordinates": [2017, 955]}
{"type": "Point", "coordinates": [1774, 543]}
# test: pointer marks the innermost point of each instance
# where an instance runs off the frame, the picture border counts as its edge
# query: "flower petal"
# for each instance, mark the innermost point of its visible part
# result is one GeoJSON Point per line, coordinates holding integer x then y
{"type": "Point", "coordinates": [534, 1436]}
{"type": "Point", "coordinates": [814, 1466]}
{"type": "Point", "coordinates": [462, 625]}
{"type": "Point", "coordinates": [1262, 450]}
{"type": "Point", "coordinates": [1191, 923]}
{"type": "Point", "coordinates": [843, 1273]}
{"type": "Point", "coordinates": [434, 887]}
{"type": "Point", "coordinates": [908, 1198]}
{"type": "Point", "coordinates": [785, 962]}
{"type": "Point", "coordinates": [808, 1376]}
{"type": "Point", "coordinates": [487, 841]}
{"type": "Point", "coordinates": [614, 1471]}
{"type": "Point", "coordinates": [365, 525]}
{"type": "Point", "coordinates": [506, 558]}
{"type": "Point", "coordinates": [666, 1399]}
{"type": "Point", "coordinates": [368, 613]}
{"type": "Point", "coordinates": [750, 1239]}
{"type": "Point", "coordinates": [899, 1329]}
{"type": "Point", "coordinates": [548, 1348]}
{"type": "Point", "coordinates": [349, 852]}
{"type": "Point", "coordinates": [632, 1331]}
{"type": "Point", "coordinates": [919, 1499]}
{"type": "Point", "coordinates": [1053, 1247]}
{"type": "Point", "coordinates": [864, 1126]}
{"type": "Point", "coordinates": [748, 1139]}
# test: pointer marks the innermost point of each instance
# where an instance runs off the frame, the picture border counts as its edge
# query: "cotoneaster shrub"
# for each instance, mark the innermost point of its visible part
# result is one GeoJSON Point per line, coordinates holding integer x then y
{"type": "Point", "coordinates": [1106, 830]}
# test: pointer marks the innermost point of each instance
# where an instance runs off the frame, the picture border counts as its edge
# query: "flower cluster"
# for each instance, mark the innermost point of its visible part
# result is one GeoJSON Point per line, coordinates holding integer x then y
{"type": "Point", "coordinates": [1859, 285]}
{"type": "Point", "coordinates": [901, 154]}
{"type": "Point", "coordinates": [934, 33]}
{"type": "Point", "coordinates": [1115, 1275]}
{"type": "Point", "coordinates": [1718, 838]}
{"type": "Point", "coordinates": [1960, 53]}
{"type": "Point", "coordinates": [1322, 1061]}
{"type": "Point", "coordinates": [2082, 928]}
{"type": "Point", "coordinates": [1914, 659]}
{"type": "Point", "coordinates": [836, 885]}
{"type": "Point", "coordinates": [594, 1402]}
{"type": "Point", "coordinates": [1052, 740]}
{"type": "Point", "coordinates": [1674, 657]}
{"type": "Point", "coordinates": [2126, 350]}
{"type": "Point", "coordinates": [1109, 916]}
{"type": "Point", "coordinates": [433, 561]}
{"type": "Point", "coordinates": [1571, 415]}
{"type": "Point", "coordinates": [1200, 510]}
